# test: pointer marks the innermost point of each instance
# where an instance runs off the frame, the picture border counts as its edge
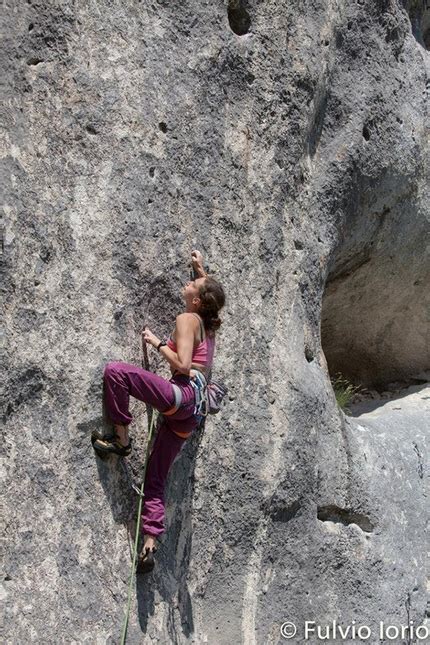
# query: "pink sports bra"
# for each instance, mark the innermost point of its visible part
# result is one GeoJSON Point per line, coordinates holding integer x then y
{"type": "Point", "coordinates": [203, 353]}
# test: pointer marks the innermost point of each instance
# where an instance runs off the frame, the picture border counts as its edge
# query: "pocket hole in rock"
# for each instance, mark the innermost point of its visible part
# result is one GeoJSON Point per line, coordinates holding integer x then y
{"type": "Point", "coordinates": [238, 17]}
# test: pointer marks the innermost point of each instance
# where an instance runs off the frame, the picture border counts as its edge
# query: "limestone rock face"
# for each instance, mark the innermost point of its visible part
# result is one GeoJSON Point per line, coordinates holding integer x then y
{"type": "Point", "coordinates": [288, 141]}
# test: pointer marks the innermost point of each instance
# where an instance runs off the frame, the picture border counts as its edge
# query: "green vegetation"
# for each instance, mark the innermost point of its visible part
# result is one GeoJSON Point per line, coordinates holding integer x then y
{"type": "Point", "coordinates": [344, 391]}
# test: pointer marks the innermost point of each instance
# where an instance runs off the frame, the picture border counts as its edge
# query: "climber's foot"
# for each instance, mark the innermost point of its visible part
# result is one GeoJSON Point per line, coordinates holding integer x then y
{"type": "Point", "coordinates": [110, 444]}
{"type": "Point", "coordinates": [146, 562]}
{"type": "Point", "coordinates": [95, 435]}
{"type": "Point", "coordinates": [121, 432]}
{"type": "Point", "coordinates": [149, 541]}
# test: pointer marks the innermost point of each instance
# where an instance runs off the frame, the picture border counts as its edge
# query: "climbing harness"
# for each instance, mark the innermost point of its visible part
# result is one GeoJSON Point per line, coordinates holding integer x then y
{"type": "Point", "coordinates": [208, 394]}
{"type": "Point", "coordinates": [199, 383]}
{"type": "Point", "coordinates": [178, 401]}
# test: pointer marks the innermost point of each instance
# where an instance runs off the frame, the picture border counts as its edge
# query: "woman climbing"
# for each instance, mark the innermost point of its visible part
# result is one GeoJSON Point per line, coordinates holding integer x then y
{"type": "Point", "coordinates": [190, 347]}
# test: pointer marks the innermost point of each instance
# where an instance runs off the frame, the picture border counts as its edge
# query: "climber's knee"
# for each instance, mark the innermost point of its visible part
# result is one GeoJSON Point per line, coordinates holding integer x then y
{"type": "Point", "coordinates": [110, 370]}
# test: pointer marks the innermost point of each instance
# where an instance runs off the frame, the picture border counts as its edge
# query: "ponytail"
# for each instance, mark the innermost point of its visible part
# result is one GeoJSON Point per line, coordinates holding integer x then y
{"type": "Point", "coordinates": [212, 298]}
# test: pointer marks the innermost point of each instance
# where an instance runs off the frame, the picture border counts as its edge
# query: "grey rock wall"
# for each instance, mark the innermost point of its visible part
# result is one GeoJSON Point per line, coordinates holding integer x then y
{"type": "Point", "coordinates": [288, 141]}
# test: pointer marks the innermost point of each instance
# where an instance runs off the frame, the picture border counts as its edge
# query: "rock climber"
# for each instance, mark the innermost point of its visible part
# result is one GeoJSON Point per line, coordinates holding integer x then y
{"type": "Point", "coordinates": [190, 347]}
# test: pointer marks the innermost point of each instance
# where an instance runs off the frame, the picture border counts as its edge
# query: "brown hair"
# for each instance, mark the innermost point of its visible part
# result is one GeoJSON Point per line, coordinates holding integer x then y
{"type": "Point", "coordinates": [212, 300]}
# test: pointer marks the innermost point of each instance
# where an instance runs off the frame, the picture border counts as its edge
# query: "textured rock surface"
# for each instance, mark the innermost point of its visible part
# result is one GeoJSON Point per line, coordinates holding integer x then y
{"type": "Point", "coordinates": [295, 156]}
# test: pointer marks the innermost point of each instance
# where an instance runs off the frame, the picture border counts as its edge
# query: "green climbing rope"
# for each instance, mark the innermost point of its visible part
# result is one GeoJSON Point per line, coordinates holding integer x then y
{"type": "Point", "coordinates": [136, 539]}
{"type": "Point", "coordinates": [154, 415]}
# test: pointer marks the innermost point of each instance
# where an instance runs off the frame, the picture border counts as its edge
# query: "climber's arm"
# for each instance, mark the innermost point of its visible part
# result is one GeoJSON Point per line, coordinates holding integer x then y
{"type": "Point", "coordinates": [172, 358]}
{"type": "Point", "coordinates": [186, 327]}
{"type": "Point", "coordinates": [185, 331]}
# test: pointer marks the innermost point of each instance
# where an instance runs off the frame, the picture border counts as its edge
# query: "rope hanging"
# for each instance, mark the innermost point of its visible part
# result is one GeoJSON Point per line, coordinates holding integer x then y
{"type": "Point", "coordinates": [154, 415]}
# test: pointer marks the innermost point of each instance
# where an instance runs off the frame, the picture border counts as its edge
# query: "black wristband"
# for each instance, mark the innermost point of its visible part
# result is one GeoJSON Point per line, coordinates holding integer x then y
{"type": "Point", "coordinates": [160, 344]}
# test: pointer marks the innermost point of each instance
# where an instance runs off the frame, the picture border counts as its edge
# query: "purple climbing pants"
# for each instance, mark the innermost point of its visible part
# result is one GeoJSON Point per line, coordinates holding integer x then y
{"type": "Point", "coordinates": [122, 380]}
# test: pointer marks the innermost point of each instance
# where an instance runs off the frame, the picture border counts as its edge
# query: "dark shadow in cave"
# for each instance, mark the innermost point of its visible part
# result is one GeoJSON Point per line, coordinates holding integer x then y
{"type": "Point", "coordinates": [419, 15]}
{"type": "Point", "coordinates": [374, 328]}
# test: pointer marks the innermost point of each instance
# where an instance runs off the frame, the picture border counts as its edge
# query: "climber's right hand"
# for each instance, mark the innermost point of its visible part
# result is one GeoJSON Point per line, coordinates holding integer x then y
{"type": "Point", "coordinates": [196, 259]}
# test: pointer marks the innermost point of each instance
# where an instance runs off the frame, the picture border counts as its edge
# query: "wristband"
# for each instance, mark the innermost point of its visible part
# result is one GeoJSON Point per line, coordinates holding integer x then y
{"type": "Point", "coordinates": [160, 344]}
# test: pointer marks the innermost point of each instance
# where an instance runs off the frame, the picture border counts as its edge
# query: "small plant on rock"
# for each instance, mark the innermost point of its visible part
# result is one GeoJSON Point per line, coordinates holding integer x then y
{"type": "Point", "coordinates": [344, 391]}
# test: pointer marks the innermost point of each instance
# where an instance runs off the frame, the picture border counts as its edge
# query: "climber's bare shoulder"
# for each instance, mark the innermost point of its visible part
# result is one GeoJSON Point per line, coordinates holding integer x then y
{"type": "Point", "coordinates": [185, 323]}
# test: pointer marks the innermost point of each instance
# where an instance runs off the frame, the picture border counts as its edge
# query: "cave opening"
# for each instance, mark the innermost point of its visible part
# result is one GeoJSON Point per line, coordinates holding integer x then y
{"type": "Point", "coordinates": [419, 15]}
{"type": "Point", "coordinates": [374, 312]}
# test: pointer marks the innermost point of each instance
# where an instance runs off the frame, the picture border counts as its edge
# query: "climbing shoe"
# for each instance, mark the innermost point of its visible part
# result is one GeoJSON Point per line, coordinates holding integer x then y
{"type": "Point", "coordinates": [110, 444]}
{"type": "Point", "coordinates": [146, 561]}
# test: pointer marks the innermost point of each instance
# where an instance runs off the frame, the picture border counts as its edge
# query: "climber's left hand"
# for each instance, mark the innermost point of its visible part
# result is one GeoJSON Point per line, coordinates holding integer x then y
{"type": "Point", "coordinates": [150, 338]}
